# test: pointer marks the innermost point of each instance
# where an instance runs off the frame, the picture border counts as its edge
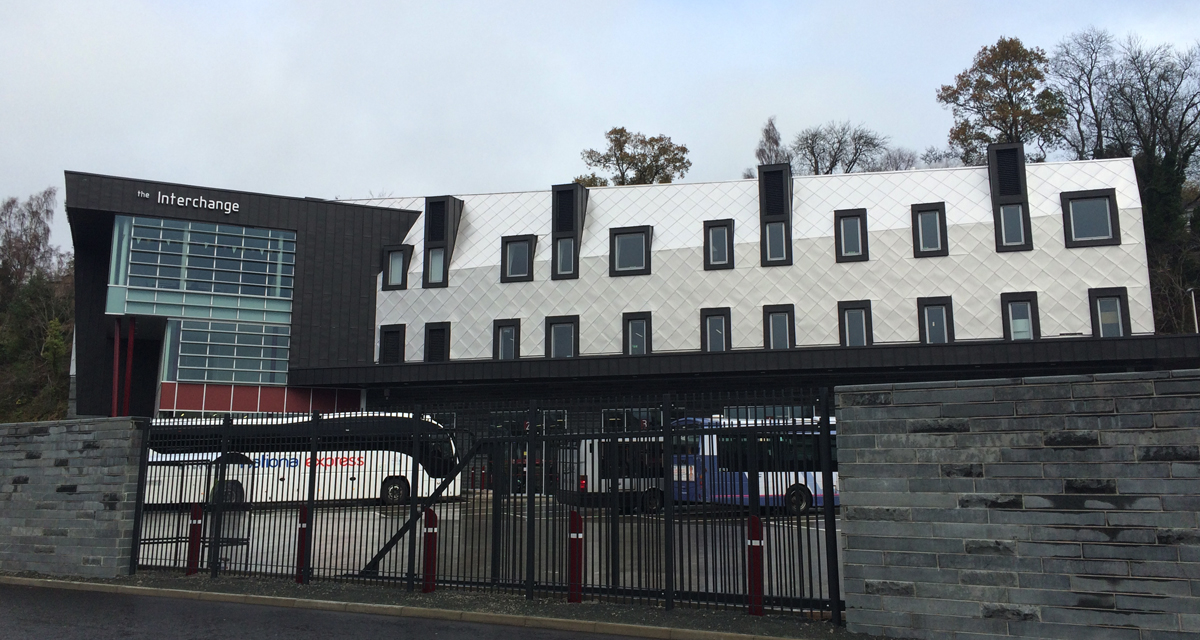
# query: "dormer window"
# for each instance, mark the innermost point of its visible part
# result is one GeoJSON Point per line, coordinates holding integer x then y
{"type": "Point", "coordinates": [395, 266]}
{"type": "Point", "coordinates": [1010, 199]}
{"type": "Point", "coordinates": [516, 258]}
{"type": "Point", "coordinates": [629, 251]}
{"type": "Point", "coordinates": [567, 217]}
{"type": "Point", "coordinates": [718, 244]}
{"type": "Point", "coordinates": [850, 235]}
{"type": "Point", "coordinates": [442, 217]}
{"type": "Point", "coordinates": [1090, 218]}
{"type": "Point", "coordinates": [775, 214]}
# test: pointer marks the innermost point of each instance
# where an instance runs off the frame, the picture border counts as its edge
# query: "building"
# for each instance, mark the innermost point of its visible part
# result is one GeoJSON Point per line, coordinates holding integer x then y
{"type": "Point", "coordinates": [242, 302]}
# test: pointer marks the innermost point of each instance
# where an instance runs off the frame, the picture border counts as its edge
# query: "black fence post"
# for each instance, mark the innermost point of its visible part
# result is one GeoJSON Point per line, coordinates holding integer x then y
{"type": "Point", "coordinates": [312, 498]}
{"type": "Point", "coordinates": [413, 492]}
{"type": "Point", "coordinates": [530, 530]}
{"type": "Point", "coordinates": [831, 535]}
{"type": "Point", "coordinates": [612, 450]}
{"type": "Point", "coordinates": [143, 461]}
{"type": "Point", "coordinates": [668, 504]}
{"type": "Point", "coordinates": [499, 485]}
{"type": "Point", "coordinates": [215, 532]}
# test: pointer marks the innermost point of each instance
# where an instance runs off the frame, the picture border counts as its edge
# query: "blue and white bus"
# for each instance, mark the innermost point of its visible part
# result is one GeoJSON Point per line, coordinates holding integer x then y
{"type": "Point", "coordinates": [712, 461]}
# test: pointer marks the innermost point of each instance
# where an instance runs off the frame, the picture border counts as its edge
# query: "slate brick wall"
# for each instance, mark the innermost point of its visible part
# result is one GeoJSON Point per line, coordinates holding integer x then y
{"type": "Point", "coordinates": [67, 496]}
{"type": "Point", "coordinates": [1055, 507]}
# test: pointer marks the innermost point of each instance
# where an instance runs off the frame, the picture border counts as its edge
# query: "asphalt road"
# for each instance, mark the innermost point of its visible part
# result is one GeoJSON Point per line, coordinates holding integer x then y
{"type": "Point", "coordinates": [38, 614]}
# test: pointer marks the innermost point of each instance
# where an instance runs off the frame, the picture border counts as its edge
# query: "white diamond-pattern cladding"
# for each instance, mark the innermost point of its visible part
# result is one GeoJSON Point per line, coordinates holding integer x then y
{"type": "Point", "coordinates": [678, 287]}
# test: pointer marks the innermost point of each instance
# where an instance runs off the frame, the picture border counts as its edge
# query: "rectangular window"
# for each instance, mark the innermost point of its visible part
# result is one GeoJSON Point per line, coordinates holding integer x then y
{"type": "Point", "coordinates": [506, 339]}
{"type": "Point", "coordinates": [395, 266]}
{"type": "Point", "coordinates": [776, 242]}
{"type": "Point", "coordinates": [437, 342]}
{"type": "Point", "coordinates": [854, 323]}
{"type": "Point", "coordinates": [629, 251]}
{"type": "Point", "coordinates": [1020, 316]}
{"type": "Point", "coordinates": [564, 257]}
{"type": "Point", "coordinates": [714, 330]}
{"type": "Point", "coordinates": [391, 344]}
{"type": "Point", "coordinates": [778, 323]}
{"type": "Point", "coordinates": [637, 333]}
{"type": "Point", "coordinates": [718, 244]}
{"type": "Point", "coordinates": [929, 230]}
{"type": "Point", "coordinates": [1110, 312]}
{"type": "Point", "coordinates": [850, 235]}
{"type": "Point", "coordinates": [936, 317]}
{"type": "Point", "coordinates": [516, 258]}
{"type": "Point", "coordinates": [1090, 218]}
{"type": "Point", "coordinates": [435, 266]}
{"type": "Point", "coordinates": [562, 336]}
{"type": "Point", "coordinates": [1012, 225]}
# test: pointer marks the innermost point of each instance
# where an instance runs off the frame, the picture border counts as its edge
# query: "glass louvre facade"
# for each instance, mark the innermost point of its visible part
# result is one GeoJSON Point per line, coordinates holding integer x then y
{"type": "Point", "coordinates": [228, 289]}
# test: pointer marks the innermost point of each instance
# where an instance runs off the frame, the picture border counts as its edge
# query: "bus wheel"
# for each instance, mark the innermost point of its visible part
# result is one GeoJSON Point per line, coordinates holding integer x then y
{"type": "Point", "coordinates": [231, 492]}
{"type": "Point", "coordinates": [799, 500]}
{"type": "Point", "coordinates": [394, 491]}
{"type": "Point", "coordinates": [652, 501]}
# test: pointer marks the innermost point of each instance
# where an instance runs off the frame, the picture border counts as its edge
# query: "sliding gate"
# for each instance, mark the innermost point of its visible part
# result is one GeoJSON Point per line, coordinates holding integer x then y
{"type": "Point", "coordinates": [721, 500]}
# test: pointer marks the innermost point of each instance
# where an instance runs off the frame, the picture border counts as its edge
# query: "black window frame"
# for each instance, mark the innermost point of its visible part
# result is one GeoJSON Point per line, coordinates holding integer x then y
{"type": "Point", "coordinates": [552, 321]}
{"type": "Point", "coordinates": [869, 327]}
{"type": "Point", "coordinates": [999, 200]}
{"type": "Point", "coordinates": [840, 215]}
{"type": "Point", "coordinates": [1020, 296]}
{"type": "Point", "coordinates": [728, 225]}
{"type": "Point", "coordinates": [1114, 219]}
{"type": "Point", "coordinates": [391, 329]}
{"type": "Point", "coordinates": [531, 240]}
{"type": "Point", "coordinates": [768, 311]}
{"type": "Point", "coordinates": [452, 215]}
{"type": "Point", "coordinates": [388, 250]}
{"type": "Point", "coordinates": [555, 274]}
{"type": "Point", "coordinates": [497, 325]}
{"type": "Point", "coordinates": [647, 233]}
{"type": "Point", "coordinates": [429, 328]}
{"type": "Point", "coordinates": [715, 311]}
{"type": "Point", "coordinates": [937, 301]}
{"type": "Point", "coordinates": [577, 195]}
{"type": "Point", "coordinates": [765, 219]}
{"type": "Point", "coordinates": [940, 208]}
{"type": "Point", "coordinates": [628, 317]}
{"type": "Point", "coordinates": [1122, 293]}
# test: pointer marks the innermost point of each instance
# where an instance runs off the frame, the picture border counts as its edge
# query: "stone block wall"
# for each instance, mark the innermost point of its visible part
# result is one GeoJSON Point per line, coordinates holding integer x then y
{"type": "Point", "coordinates": [67, 496]}
{"type": "Point", "coordinates": [1056, 507]}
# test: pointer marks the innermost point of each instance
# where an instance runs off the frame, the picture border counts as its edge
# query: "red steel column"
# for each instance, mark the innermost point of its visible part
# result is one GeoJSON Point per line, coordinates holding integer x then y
{"type": "Point", "coordinates": [575, 560]}
{"type": "Point", "coordinates": [129, 365]}
{"type": "Point", "coordinates": [301, 544]}
{"type": "Point", "coordinates": [429, 583]}
{"type": "Point", "coordinates": [754, 566]}
{"type": "Point", "coordinates": [193, 549]}
{"type": "Point", "coordinates": [116, 366]}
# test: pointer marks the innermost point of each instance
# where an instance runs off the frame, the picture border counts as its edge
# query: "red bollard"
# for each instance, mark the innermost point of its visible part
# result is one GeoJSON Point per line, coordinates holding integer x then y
{"type": "Point", "coordinates": [575, 560]}
{"type": "Point", "coordinates": [431, 527]}
{"type": "Point", "coordinates": [193, 549]}
{"type": "Point", "coordinates": [754, 566]}
{"type": "Point", "coordinates": [301, 544]}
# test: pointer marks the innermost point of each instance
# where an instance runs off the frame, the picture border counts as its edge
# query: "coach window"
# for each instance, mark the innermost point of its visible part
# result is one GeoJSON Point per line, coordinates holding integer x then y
{"type": "Point", "coordinates": [395, 266]}
{"type": "Point", "coordinates": [854, 323]}
{"type": "Point", "coordinates": [1020, 316]}
{"type": "Point", "coordinates": [850, 235]}
{"type": "Point", "coordinates": [718, 244]}
{"type": "Point", "coordinates": [936, 317]}
{"type": "Point", "coordinates": [1110, 312]}
{"type": "Point", "coordinates": [778, 326]}
{"type": "Point", "coordinates": [506, 339]}
{"type": "Point", "coordinates": [516, 258]}
{"type": "Point", "coordinates": [714, 330]}
{"type": "Point", "coordinates": [637, 333]}
{"type": "Point", "coordinates": [1090, 218]}
{"type": "Point", "coordinates": [929, 230]}
{"type": "Point", "coordinates": [562, 336]}
{"type": "Point", "coordinates": [629, 251]}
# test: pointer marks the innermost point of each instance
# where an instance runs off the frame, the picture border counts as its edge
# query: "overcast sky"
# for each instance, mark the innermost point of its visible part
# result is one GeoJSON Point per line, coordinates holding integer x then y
{"type": "Point", "coordinates": [345, 99]}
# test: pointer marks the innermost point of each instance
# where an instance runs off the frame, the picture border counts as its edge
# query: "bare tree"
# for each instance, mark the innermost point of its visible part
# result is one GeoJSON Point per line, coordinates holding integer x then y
{"type": "Point", "coordinates": [894, 159]}
{"type": "Point", "coordinates": [1081, 72]}
{"type": "Point", "coordinates": [25, 239]}
{"type": "Point", "coordinates": [836, 147]}
{"type": "Point", "coordinates": [771, 149]}
{"type": "Point", "coordinates": [939, 158]}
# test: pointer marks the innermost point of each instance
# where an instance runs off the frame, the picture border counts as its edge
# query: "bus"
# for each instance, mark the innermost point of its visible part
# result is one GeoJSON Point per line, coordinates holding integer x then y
{"type": "Point", "coordinates": [711, 465]}
{"type": "Point", "coordinates": [373, 458]}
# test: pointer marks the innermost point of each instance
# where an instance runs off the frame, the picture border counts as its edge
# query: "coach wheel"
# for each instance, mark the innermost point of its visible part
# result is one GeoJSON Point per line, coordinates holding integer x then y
{"type": "Point", "coordinates": [652, 501]}
{"type": "Point", "coordinates": [394, 491]}
{"type": "Point", "coordinates": [799, 499]}
{"type": "Point", "coordinates": [231, 492]}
